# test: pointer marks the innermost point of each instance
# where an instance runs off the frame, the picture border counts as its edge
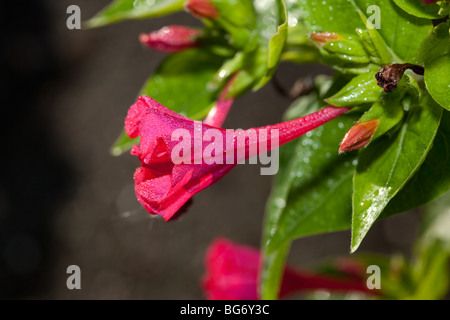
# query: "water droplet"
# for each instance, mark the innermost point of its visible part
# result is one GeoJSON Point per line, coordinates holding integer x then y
{"type": "Point", "coordinates": [280, 203]}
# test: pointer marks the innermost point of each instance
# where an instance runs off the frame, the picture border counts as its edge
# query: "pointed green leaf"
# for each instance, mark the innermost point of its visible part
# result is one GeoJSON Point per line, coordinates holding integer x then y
{"type": "Point", "coordinates": [437, 78]}
{"type": "Point", "coordinates": [387, 165]}
{"type": "Point", "coordinates": [311, 194]}
{"type": "Point", "coordinates": [362, 89]}
{"type": "Point", "coordinates": [272, 273]}
{"type": "Point", "coordinates": [181, 83]}
{"type": "Point", "coordinates": [401, 32]}
{"type": "Point", "coordinates": [312, 191]}
{"type": "Point", "coordinates": [278, 36]}
{"type": "Point", "coordinates": [434, 54]}
{"type": "Point", "coordinates": [433, 177]}
{"type": "Point", "coordinates": [419, 9]}
{"type": "Point", "coordinates": [120, 10]}
{"type": "Point", "coordinates": [388, 111]}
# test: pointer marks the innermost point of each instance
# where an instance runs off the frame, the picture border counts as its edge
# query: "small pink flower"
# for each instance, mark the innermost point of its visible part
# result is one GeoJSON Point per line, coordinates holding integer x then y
{"type": "Point", "coordinates": [163, 185]}
{"type": "Point", "coordinates": [172, 38]}
{"type": "Point", "coordinates": [431, 1]}
{"type": "Point", "coordinates": [202, 9]}
{"type": "Point", "coordinates": [232, 272]}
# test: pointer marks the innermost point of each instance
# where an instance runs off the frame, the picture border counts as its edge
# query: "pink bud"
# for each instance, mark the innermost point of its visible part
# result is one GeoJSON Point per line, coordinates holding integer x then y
{"type": "Point", "coordinates": [171, 38]}
{"type": "Point", "coordinates": [202, 9]}
{"type": "Point", "coordinates": [359, 136]}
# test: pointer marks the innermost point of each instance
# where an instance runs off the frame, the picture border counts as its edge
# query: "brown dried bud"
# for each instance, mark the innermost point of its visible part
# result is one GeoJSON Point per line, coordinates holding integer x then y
{"type": "Point", "coordinates": [389, 77]}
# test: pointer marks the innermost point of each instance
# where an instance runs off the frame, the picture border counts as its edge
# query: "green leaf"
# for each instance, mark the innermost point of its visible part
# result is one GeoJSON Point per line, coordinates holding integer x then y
{"type": "Point", "coordinates": [445, 9]}
{"type": "Point", "coordinates": [362, 89]}
{"type": "Point", "coordinates": [181, 83]}
{"type": "Point", "coordinates": [434, 54]}
{"type": "Point", "coordinates": [419, 9]}
{"type": "Point", "coordinates": [387, 165]}
{"type": "Point", "coordinates": [433, 177]}
{"type": "Point", "coordinates": [386, 55]}
{"type": "Point", "coordinates": [277, 34]}
{"type": "Point", "coordinates": [401, 32]}
{"type": "Point", "coordinates": [437, 222]}
{"type": "Point", "coordinates": [389, 112]}
{"type": "Point", "coordinates": [347, 50]}
{"type": "Point", "coordinates": [272, 273]}
{"type": "Point", "coordinates": [434, 45]}
{"type": "Point", "coordinates": [312, 191]}
{"type": "Point", "coordinates": [238, 13]}
{"type": "Point", "coordinates": [431, 273]}
{"type": "Point", "coordinates": [437, 78]}
{"type": "Point", "coordinates": [120, 10]}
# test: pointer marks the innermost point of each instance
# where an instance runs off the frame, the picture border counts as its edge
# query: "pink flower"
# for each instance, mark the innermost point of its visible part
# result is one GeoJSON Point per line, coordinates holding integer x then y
{"type": "Point", "coordinates": [431, 1]}
{"type": "Point", "coordinates": [172, 38]}
{"type": "Point", "coordinates": [176, 163]}
{"type": "Point", "coordinates": [232, 274]}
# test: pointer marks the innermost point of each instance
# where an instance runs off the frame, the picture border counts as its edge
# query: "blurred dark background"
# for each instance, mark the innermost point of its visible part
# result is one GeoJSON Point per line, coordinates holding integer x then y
{"type": "Point", "coordinates": [65, 200]}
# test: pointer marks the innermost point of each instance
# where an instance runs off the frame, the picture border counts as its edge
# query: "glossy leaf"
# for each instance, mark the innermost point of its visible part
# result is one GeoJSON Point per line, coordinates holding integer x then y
{"type": "Point", "coordinates": [401, 32]}
{"type": "Point", "coordinates": [181, 83]}
{"type": "Point", "coordinates": [347, 50]}
{"type": "Point", "coordinates": [311, 192]}
{"type": "Point", "coordinates": [239, 13]}
{"type": "Point", "coordinates": [361, 89]}
{"type": "Point", "coordinates": [312, 173]}
{"type": "Point", "coordinates": [120, 10]}
{"type": "Point", "coordinates": [276, 32]}
{"type": "Point", "coordinates": [419, 9]}
{"type": "Point", "coordinates": [434, 54]}
{"type": "Point", "coordinates": [389, 112]}
{"type": "Point", "coordinates": [437, 78]}
{"type": "Point", "coordinates": [433, 177]}
{"type": "Point", "coordinates": [387, 165]}
{"type": "Point", "coordinates": [272, 273]}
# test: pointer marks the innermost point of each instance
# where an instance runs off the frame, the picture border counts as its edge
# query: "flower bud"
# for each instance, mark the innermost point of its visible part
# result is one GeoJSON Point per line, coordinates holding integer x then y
{"type": "Point", "coordinates": [202, 9]}
{"type": "Point", "coordinates": [359, 136]}
{"type": "Point", "coordinates": [324, 37]}
{"type": "Point", "coordinates": [171, 38]}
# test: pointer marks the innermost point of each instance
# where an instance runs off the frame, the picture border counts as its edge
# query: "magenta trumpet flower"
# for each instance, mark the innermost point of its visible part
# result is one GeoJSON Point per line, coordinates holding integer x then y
{"type": "Point", "coordinates": [181, 157]}
{"type": "Point", "coordinates": [172, 38]}
{"type": "Point", "coordinates": [232, 272]}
